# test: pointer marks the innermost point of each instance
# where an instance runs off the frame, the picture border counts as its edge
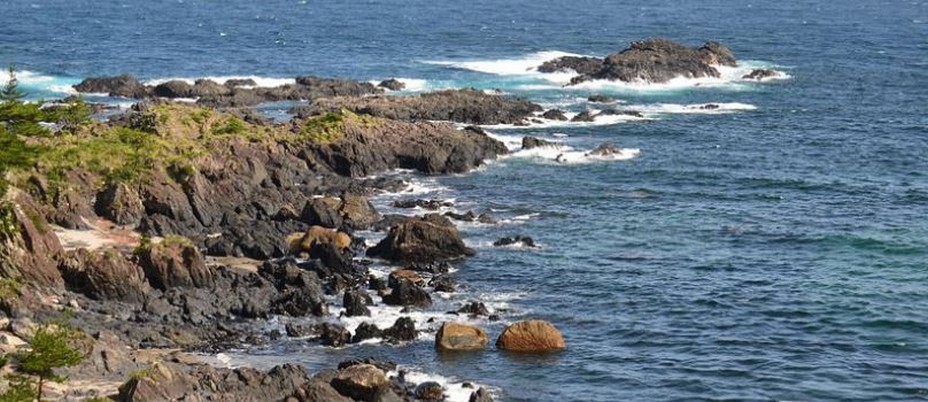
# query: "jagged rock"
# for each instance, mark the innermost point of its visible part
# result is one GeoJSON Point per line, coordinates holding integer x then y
{"type": "Point", "coordinates": [428, 239]}
{"type": "Point", "coordinates": [403, 330]}
{"type": "Point", "coordinates": [123, 85]}
{"type": "Point", "coordinates": [430, 391]}
{"type": "Point", "coordinates": [531, 336]}
{"type": "Point", "coordinates": [605, 149]}
{"type": "Point", "coordinates": [322, 212]}
{"type": "Point", "coordinates": [405, 275]}
{"type": "Point", "coordinates": [366, 331]}
{"type": "Point", "coordinates": [458, 336]}
{"type": "Point", "coordinates": [356, 302]}
{"type": "Point", "coordinates": [173, 381]}
{"type": "Point", "coordinates": [406, 293]}
{"type": "Point", "coordinates": [319, 390]}
{"type": "Point", "coordinates": [443, 283]}
{"type": "Point", "coordinates": [392, 84]}
{"type": "Point", "coordinates": [475, 308]}
{"type": "Point", "coordinates": [581, 65]}
{"type": "Point", "coordinates": [518, 240]}
{"type": "Point", "coordinates": [532, 142]}
{"type": "Point", "coordinates": [105, 275]}
{"type": "Point", "coordinates": [585, 116]}
{"type": "Point", "coordinates": [600, 99]}
{"type": "Point", "coordinates": [760, 74]}
{"type": "Point", "coordinates": [554, 114]}
{"type": "Point", "coordinates": [29, 247]}
{"type": "Point", "coordinates": [175, 262]}
{"type": "Point", "coordinates": [174, 89]}
{"type": "Point", "coordinates": [334, 335]}
{"type": "Point", "coordinates": [120, 204]}
{"type": "Point", "coordinates": [300, 331]}
{"type": "Point", "coordinates": [358, 212]}
{"type": "Point", "coordinates": [360, 381]}
{"type": "Point", "coordinates": [240, 82]}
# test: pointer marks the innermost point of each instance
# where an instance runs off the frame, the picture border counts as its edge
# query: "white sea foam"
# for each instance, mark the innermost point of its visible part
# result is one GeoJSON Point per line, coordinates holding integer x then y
{"type": "Point", "coordinates": [567, 155]}
{"type": "Point", "coordinates": [699, 108]}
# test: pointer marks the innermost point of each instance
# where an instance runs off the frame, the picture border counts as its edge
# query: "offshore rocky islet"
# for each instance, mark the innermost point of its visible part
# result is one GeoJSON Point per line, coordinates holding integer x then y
{"type": "Point", "coordinates": [246, 178]}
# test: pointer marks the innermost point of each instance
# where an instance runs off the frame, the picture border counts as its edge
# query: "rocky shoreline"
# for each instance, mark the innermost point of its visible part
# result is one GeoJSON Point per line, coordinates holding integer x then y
{"type": "Point", "coordinates": [176, 192]}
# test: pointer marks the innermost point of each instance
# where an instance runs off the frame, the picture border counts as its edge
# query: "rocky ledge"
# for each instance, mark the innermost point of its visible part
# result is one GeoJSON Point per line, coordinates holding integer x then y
{"type": "Point", "coordinates": [651, 60]}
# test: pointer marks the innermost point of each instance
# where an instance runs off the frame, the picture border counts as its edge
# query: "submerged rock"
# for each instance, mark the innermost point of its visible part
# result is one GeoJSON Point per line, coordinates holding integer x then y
{"type": "Point", "coordinates": [519, 240]}
{"type": "Point", "coordinates": [760, 74]}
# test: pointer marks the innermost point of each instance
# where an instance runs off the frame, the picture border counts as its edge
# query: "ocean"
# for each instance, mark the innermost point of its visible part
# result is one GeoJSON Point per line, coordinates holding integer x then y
{"type": "Point", "coordinates": [774, 248]}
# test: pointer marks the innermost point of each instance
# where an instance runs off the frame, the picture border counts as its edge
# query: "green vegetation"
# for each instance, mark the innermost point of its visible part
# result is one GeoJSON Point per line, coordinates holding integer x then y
{"type": "Point", "coordinates": [9, 227]}
{"type": "Point", "coordinates": [52, 346]}
{"type": "Point", "coordinates": [331, 127]}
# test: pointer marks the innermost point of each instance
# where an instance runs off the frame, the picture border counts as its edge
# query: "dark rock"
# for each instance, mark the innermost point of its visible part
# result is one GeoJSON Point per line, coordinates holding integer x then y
{"type": "Point", "coordinates": [581, 65]}
{"type": "Point", "coordinates": [123, 85]}
{"type": "Point", "coordinates": [301, 331]}
{"type": "Point", "coordinates": [532, 142]}
{"type": "Point", "coordinates": [554, 114]}
{"type": "Point", "coordinates": [475, 308]}
{"type": "Point", "coordinates": [174, 89]}
{"type": "Point", "coordinates": [384, 365]}
{"type": "Point", "coordinates": [600, 99]}
{"type": "Point", "coordinates": [440, 267]}
{"type": "Point", "coordinates": [405, 275]}
{"type": "Point", "coordinates": [424, 204]}
{"type": "Point", "coordinates": [403, 330]}
{"type": "Point", "coordinates": [428, 239]}
{"type": "Point", "coordinates": [430, 391]}
{"type": "Point", "coordinates": [356, 302]}
{"type": "Point", "coordinates": [208, 88]}
{"type": "Point", "coordinates": [443, 283]}
{"type": "Point", "coordinates": [605, 149]}
{"type": "Point", "coordinates": [481, 395]}
{"type": "Point", "coordinates": [319, 390]}
{"type": "Point", "coordinates": [106, 275]}
{"type": "Point", "coordinates": [30, 252]}
{"type": "Point", "coordinates": [709, 106]}
{"type": "Point", "coordinates": [366, 331]}
{"type": "Point", "coordinates": [616, 112]}
{"type": "Point", "coordinates": [392, 84]}
{"type": "Point", "coordinates": [375, 283]}
{"type": "Point", "coordinates": [524, 241]}
{"type": "Point", "coordinates": [760, 74]}
{"type": "Point", "coordinates": [334, 335]}
{"type": "Point", "coordinates": [322, 212]}
{"type": "Point", "coordinates": [584, 116]}
{"type": "Point", "coordinates": [406, 293]}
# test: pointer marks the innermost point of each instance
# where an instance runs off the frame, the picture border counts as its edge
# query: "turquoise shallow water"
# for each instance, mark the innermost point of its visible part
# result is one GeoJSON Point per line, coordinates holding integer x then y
{"type": "Point", "coordinates": [778, 252]}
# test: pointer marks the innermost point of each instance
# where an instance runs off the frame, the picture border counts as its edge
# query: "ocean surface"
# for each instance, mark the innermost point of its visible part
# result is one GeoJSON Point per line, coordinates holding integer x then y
{"type": "Point", "coordinates": [774, 248]}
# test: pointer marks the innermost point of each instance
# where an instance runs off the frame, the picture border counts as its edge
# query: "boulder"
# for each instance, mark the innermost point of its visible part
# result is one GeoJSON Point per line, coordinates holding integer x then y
{"type": "Point", "coordinates": [480, 395]}
{"type": "Point", "coordinates": [392, 84]}
{"type": "Point", "coordinates": [104, 275]}
{"type": "Point", "coordinates": [405, 275]}
{"type": "Point", "coordinates": [585, 116]}
{"type": "Point", "coordinates": [458, 336]}
{"type": "Point", "coordinates": [366, 331]}
{"type": "Point", "coordinates": [443, 283]}
{"type": "Point", "coordinates": [519, 240]}
{"type": "Point", "coordinates": [474, 308]}
{"type": "Point", "coordinates": [760, 74]}
{"type": "Point", "coordinates": [403, 330]}
{"type": "Point", "coordinates": [318, 236]}
{"type": "Point", "coordinates": [428, 239]}
{"type": "Point", "coordinates": [174, 89]}
{"type": "Point", "coordinates": [175, 262]}
{"type": "Point", "coordinates": [356, 302]}
{"type": "Point", "coordinates": [360, 381]}
{"type": "Point", "coordinates": [430, 391]}
{"type": "Point", "coordinates": [531, 336]}
{"type": "Point", "coordinates": [406, 293]}
{"type": "Point", "coordinates": [529, 142]}
{"type": "Point", "coordinates": [334, 335]}
{"type": "Point", "coordinates": [358, 212]}
{"type": "Point", "coordinates": [319, 390]}
{"type": "Point", "coordinates": [554, 114]}
{"type": "Point", "coordinates": [120, 204]}
{"type": "Point", "coordinates": [600, 99]}
{"type": "Point", "coordinates": [605, 149]}
{"type": "Point", "coordinates": [322, 212]}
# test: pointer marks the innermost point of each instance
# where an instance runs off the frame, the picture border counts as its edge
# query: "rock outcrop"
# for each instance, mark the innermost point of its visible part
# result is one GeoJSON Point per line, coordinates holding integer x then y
{"type": "Point", "coordinates": [427, 239]}
{"type": "Point", "coordinates": [29, 249]}
{"type": "Point", "coordinates": [651, 60]}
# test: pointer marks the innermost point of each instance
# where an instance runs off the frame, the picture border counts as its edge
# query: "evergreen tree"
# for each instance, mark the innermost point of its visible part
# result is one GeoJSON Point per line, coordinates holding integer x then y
{"type": "Point", "coordinates": [10, 92]}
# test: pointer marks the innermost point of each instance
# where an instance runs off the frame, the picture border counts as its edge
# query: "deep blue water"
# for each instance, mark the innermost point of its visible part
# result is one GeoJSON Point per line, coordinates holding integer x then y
{"type": "Point", "coordinates": [773, 253]}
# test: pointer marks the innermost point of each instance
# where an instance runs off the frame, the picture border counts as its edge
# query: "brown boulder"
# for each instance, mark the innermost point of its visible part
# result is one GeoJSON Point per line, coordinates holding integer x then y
{"type": "Point", "coordinates": [360, 381]}
{"type": "Point", "coordinates": [405, 275]}
{"type": "Point", "coordinates": [317, 235]}
{"type": "Point", "coordinates": [457, 336]}
{"type": "Point", "coordinates": [175, 262]}
{"type": "Point", "coordinates": [531, 336]}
